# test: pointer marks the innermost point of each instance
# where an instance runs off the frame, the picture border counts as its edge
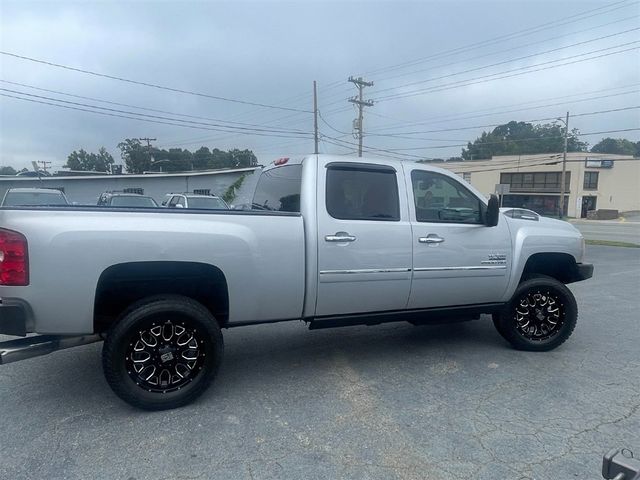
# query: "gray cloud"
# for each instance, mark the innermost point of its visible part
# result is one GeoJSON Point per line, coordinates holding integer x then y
{"type": "Point", "coordinates": [270, 52]}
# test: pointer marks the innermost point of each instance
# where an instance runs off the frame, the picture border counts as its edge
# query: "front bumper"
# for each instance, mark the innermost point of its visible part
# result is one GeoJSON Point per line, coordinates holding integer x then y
{"type": "Point", "coordinates": [583, 271]}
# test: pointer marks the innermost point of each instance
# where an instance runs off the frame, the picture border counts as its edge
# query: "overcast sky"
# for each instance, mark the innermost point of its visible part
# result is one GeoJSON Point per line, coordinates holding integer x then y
{"type": "Point", "coordinates": [270, 53]}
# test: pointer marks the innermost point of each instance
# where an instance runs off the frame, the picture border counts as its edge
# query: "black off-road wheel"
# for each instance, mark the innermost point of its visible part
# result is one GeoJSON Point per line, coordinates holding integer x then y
{"type": "Point", "coordinates": [541, 315]}
{"type": "Point", "coordinates": [162, 353]}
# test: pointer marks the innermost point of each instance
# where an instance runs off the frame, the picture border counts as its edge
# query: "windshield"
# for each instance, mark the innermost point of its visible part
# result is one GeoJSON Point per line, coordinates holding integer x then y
{"type": "Point", "coordinates": [209, 203]}
{"type": "Point", "coordinates": [133, 201]}
{"type": "Point", "coordinates": [14, 199]}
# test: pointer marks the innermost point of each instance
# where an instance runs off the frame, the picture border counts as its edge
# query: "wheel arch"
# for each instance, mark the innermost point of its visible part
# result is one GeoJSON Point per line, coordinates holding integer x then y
{"type": "Point", "coordinates": [561, 266]}
{"type": "Point", "coordinates": [121, 285]}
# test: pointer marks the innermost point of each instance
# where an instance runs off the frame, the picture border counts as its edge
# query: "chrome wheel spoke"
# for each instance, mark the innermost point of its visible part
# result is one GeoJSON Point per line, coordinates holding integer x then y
{"type": "Point", "coordinates": [165, 357]}
{"type": "Point", "coordinates": [538, 315]}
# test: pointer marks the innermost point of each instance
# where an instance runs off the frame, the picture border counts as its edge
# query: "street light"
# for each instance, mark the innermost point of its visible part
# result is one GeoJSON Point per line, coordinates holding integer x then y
{"type": "Point", "coordinates": [564, 164]}
{"type": "Point", "coordinates": [155, 162]}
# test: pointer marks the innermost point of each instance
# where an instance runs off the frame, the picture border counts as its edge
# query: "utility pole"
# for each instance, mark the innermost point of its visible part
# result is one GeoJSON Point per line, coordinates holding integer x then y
{"type": "Point", "coordinates": [44, 164]}
{"type": "Point", "coordinates": [315, 117]}
{"type": "Point", "coordinates": [149, 140]}
{"type": "Point", "coordinates": [564, 165]}
{"type": "Point", "coordinates": [361, 102]}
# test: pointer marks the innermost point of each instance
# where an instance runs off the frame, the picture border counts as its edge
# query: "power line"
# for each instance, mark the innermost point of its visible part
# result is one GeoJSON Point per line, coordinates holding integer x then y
{"type": "Point", "coordinates": [503, 51]}
{"type": "Point", "coordinates": [530, 68]}
{"type": "Point", "coordinates": [503, 62]}
{"type": "Point", "coordinates": [501, 75]}
{"type": "Point", "coordinates": [400, 134]}
{"type": "Point", "coordinates": [502, 38]}
{"type": "Point", "coordinates": [466, 116]}
{"type": "Point", "coordinates": [140, 119]}
{"type": "Point", "coordinates": [132, 106]}
{"type": "Point", "coordinates": [233, 128]}
{"type": "Point", "coordinates": [348, 134]}
{"type": "Point", "coordinates": [151, 85]}
{"type": "Point", "coordinates": [384, 79]}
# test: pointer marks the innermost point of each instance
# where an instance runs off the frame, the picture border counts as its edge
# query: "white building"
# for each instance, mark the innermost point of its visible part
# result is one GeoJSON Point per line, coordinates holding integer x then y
{"type": "Point", "coordinates": [85, 190]}
{"type": "Point", "coordinates": [593, 181]}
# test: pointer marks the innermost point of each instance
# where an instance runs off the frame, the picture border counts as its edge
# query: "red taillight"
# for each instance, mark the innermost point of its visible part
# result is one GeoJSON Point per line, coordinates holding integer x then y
{"type": "Point", "coordinates": [14, 259]}
{"type": "Point", "coordinates": [281, 161]}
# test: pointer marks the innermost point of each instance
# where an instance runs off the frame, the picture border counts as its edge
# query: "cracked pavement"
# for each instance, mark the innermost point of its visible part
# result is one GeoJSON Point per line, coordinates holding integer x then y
{"type": "Point", "coordinates": [387, 402]}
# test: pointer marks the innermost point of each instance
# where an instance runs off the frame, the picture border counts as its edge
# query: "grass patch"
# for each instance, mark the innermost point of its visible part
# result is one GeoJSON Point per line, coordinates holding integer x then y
{"type": "Point", "coordinates": [612, 243]}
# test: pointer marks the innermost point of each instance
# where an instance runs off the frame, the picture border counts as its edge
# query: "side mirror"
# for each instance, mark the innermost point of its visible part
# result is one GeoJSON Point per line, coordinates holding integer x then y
{"type": "Point", "coordinates": [493, 212]}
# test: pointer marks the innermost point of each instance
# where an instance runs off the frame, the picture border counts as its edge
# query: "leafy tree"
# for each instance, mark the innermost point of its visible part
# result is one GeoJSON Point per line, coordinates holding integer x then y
{"type": "Point", "coordinates": [620, 146]}
{"type": "Point", "coordinates": [173, 160]}
{"type": "Point", "coordinates": [84, 161]}
{"type": "Point", "coordinates": [7, 171]}
{"type": "Point", "coordinates": [201, 158]}
{"type": "Point", "coordinates": [515, 138]}
{"type": "Point", "coordinates": [137, 158]}
{"type": "Point", "coordinates": [243, 158]}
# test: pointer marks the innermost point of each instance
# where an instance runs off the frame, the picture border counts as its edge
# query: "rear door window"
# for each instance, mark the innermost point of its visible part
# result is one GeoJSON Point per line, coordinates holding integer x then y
{"type": "Point", "coordinates": [360, 192]}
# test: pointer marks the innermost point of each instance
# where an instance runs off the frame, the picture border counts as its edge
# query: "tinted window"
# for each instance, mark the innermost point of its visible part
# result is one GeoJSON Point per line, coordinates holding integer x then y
{"type": "Point", "coordinates": [439, 198]}
{"type": "Point", "coordinates": [132, 201]}
{"type": "Point", "coordinates": [33, 199]}
{"type": "Point", "coordinates": [278, 189]}
{"type": "Point", "coordinates": [362, 194]}
{"type": "Point", "coordinates": [211, 203]}
{"type": "Point", "coordinates": [173, 201]}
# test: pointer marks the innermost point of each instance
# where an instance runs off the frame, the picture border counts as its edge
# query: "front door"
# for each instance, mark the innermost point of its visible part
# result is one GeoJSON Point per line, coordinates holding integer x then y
{"type": "Point", "coordinates": [588, 203]}
{"type": "Point", "coordinates": [457, 260]}
{"type": "Point", "coordinates": [364, 239]}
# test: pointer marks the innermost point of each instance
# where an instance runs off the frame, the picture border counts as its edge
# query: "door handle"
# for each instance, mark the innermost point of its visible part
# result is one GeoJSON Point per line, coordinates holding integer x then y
{"type": "Point", "coordinates": [431, 238]}
{"type": "Point", "coordinates": [340, 237]}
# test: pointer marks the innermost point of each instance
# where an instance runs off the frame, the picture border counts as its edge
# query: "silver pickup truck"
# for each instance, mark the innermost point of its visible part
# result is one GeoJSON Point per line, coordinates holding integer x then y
{"type": "Point", "coordinates": [331, 241]}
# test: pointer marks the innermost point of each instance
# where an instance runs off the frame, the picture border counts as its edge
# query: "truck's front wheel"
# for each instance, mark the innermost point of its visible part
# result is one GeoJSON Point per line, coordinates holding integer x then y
{"type": "Point", "coordinates": [162, 353]}
{"type": "Point", "coordinates": [540, 316]}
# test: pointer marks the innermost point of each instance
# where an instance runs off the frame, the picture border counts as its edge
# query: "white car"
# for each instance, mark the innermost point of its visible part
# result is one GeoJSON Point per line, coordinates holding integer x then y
{"type": "Point", "coordinates": [194, 200]}
{"type": "Point", "coordinates": [33, 197]}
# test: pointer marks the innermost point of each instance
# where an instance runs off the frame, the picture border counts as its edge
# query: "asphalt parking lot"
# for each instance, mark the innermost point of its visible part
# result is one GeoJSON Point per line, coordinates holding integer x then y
{"type": "Point", "coordinates": [389, 402]}
{"type": "Point", "coordinates": [610, 230]}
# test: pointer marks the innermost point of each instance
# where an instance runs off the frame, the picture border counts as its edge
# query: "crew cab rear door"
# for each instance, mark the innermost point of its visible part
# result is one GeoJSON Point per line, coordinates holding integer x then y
{"type": "Point", "coordinates": [457, 259]}
{"type": "Point", "coordinates": [364, 238]}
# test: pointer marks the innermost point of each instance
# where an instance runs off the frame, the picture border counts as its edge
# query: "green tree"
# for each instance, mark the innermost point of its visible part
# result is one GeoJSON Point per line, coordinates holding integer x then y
{"type": "Point", "coordinates": [85, 161]}
{"type": "Point", "coordinates": [516, 138]}
{"type": "Point", "coordinates": [201, 158]}
{"type": "Point", "coordinates": [243, 158]}
{"type": "Point", "coordinates": [137, 157]}
{"type": "Point", "coordinates": [620, 146]}
{"type": "Point", "coordinates": [7, 171]}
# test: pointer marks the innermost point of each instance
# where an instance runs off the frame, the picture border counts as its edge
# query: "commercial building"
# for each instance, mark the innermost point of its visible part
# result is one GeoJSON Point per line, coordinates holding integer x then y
{"type": "Point", "coordinates": [85, 190]}
{"type": "Point", "coordinates": [592, 181]}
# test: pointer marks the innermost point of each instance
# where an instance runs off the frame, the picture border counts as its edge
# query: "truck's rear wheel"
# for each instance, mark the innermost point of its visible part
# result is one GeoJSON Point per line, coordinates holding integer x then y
{"type": "Point", "coordinates": [162, 353]}
{"type": "Point", "coordinates": [540, 316]}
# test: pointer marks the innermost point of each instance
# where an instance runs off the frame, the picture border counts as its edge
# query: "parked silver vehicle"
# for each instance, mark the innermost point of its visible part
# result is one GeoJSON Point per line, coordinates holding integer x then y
{"type": "Point", "coordinates": [20, 197]}
{"type": "Point", "coordinates": [194, 200]}
{"type": "Point", "coordinates": [123, 199]}
{"type": "Point", "coordinates": [332, 241]}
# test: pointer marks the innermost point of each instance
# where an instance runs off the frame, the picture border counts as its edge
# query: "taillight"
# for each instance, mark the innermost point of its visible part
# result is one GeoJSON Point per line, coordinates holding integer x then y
{"type": "Point", "coordinates": [14, 259]}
